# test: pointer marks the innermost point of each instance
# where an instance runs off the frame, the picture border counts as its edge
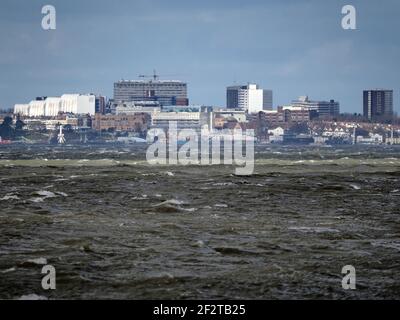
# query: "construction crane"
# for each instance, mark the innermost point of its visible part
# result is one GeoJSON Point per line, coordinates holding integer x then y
{"type": "Point", "coordinates": [156, 76]}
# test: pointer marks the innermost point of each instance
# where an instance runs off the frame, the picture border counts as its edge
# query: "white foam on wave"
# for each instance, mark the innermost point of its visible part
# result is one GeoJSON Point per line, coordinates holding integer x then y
{"type": "Point", "coordinates": [46, 194]}
{"type": "Point", "coordinates": [9, 197]}
{"type": "Point", "coordinates": [223, 184]}
{"type": "Point", "coordinates": [199, 243]}
{"type": "Point", "coordinates": [221, 205]}
{"type": "Point", "coordinates": [38, 261]}
{"type": "Point", "coordinates": [173, 202]}
{"type": "Point", "coordinates": [314, 229]}
{"type": "Point", "coordinates": [32, 296]}
{"type": "Point", "coordinates": [9, 270]}
{"type": "Point", "coordinates": [142, 197]}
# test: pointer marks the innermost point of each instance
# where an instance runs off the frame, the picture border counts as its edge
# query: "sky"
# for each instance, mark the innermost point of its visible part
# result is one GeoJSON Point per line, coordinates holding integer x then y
{"type": "Point", "coordinates": [294, 47]}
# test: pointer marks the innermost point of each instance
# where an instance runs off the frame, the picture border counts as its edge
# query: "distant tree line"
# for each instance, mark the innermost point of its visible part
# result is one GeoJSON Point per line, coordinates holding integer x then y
{"type": "Point", "coordinates": [9, 131]}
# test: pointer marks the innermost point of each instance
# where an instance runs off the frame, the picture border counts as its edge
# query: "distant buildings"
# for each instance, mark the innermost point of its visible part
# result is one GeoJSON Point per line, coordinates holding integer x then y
{"type": "Point", "coordinates": [52, 106]}
{"type": "Point", "coordinates": [249, 98]}
{"type": "Point", "coordinates": [373, 138]}
{"type": "Point", "coordinates": [165, 92]}
{"type": "Point", "coordinates": [287, 114]}
{"type": "Point", "coordinates": [318, 108]}
{"type": "Point", "coordinates": [377, 103]}
{"type": "Point", "coordinates": [268, 100]}
{"type": "Point", "coordinates": [100, 105]}
{"type": "Point", "coordinates": [141, 104]}
{"type": "Point", "coordinates": [130, 108]}
{"type": "Point", "coordinates": [276, 135]}
{"type": "Point", "coordinates": [78, 123]}
{"type": "Point", "coordinates": [222, 116]}
{"type": "Point", "coordinates": [184, 119]}
{"type": "Point", "coordinates": [138, 122]}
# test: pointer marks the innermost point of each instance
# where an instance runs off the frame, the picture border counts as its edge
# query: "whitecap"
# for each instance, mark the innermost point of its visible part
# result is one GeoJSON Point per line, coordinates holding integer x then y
{"type": "Point", "coordinates": [313, 229]}
{"type": "Point", "coordinates": [169, 202]}
{"type": "Point", "coordinates": [221, 205]}
{"type": "Point", "coordinates": [39, 261]}
{"type": "Point", "coordinates": [199, 243]}
{"type": "Point", "coordinates": [142, 197]}
{"type": "Point", "coordinates": [9, 270]}
{"type": "Point", "coordinates": [32, 297]}
{"type": "Point", "coordinates": [9, 197]}
{"type": "Point", "coordinates": [46, 194]}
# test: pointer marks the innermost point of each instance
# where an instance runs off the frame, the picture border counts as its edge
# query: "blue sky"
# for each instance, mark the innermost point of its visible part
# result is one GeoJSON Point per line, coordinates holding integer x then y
{"type": "Point", "coordinates": [294, 47]}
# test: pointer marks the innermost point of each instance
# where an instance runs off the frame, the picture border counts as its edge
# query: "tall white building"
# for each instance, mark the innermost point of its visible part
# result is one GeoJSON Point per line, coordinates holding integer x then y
{"type": "Point", "coordinates": [249, 98]}
{"type": "Point", "coordinates": [52, 106]}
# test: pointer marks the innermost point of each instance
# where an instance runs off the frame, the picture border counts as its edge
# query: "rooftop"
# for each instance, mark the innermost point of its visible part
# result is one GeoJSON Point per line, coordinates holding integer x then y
{"type": "Point", "coordinates": [149, 81]}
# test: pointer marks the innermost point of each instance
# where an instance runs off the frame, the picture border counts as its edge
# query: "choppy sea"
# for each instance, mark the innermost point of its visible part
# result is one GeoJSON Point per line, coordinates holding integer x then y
{"type": "Point", "coordinates": [115, 227]}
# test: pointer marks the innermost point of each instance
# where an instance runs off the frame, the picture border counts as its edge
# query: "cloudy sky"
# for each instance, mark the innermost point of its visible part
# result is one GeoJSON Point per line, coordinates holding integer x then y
{"type": "Point", "coordinates": [295, 47]}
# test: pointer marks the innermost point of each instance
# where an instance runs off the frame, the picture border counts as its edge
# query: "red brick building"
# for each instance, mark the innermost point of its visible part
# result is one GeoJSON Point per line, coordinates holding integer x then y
{"type": "Point", "coordinates": [122, 122]}
{"type": "Point", "coordinates": [286, 115]}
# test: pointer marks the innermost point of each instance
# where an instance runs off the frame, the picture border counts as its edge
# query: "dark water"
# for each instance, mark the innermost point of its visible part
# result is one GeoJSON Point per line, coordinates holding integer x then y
{"type": "Point", "coordinates": [115, 227]}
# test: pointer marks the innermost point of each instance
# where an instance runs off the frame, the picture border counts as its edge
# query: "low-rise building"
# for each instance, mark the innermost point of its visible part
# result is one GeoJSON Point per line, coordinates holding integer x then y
{"type": "Point", "coordinates": [53, 106]}
{"type": "Point", "coordinates": [190, 120]}
{"type": "Point", "coordinates": [131, 108]}
{"type": "Point", "coordinates": [122, 123]}
{"type": "Point", "coordinates": [239, 115]}
{"type": "Point", "coordinates": [287, 114]}
{"type": "Point", "coordinates": [276, 135]}
{"type": "Point", "coordinates": [75, 122]}
{"type": "Point", "coordinates": [318, 108]}
{"type": "Point", "coordinates": [372, 139]}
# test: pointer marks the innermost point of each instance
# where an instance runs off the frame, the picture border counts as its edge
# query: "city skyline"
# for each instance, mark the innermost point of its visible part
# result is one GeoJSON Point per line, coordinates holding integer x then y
{"type": "Point", "coordinates": [89, 52]}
